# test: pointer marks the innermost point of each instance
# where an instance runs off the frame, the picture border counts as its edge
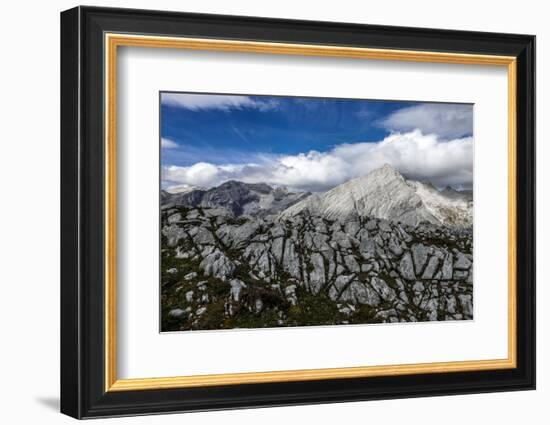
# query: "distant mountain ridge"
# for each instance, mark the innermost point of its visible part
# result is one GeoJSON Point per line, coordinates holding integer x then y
{"type": "Point", "coordinates": [238, 197]}
{"type": "Point", "coordinates": [383, 193]}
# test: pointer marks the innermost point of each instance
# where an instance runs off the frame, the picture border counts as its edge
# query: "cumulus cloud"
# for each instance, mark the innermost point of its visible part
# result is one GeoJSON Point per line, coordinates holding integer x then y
{"type": "Point", "coordinates": [446, 120]}
{"type": "Point", "coordinates": [416, 155]}
{"type": "Point", "coordinates": [196, 102]}
{"type": "Point", "coordinates": [168, 144]}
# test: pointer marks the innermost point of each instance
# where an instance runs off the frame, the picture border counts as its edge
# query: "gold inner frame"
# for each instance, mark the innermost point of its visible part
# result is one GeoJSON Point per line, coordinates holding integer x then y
{"type": "Point", "coordinates": [113, 41]}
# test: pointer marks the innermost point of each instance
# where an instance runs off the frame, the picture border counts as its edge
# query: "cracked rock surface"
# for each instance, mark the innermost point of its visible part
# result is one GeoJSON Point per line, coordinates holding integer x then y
{"type": "Point", "coordinates": [221, 270]}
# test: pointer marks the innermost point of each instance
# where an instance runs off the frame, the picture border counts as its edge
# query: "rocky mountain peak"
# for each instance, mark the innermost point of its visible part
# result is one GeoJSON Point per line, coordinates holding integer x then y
{"type": "Point", "coordinates": [237, 185]}
{"type": "Point", "coordinates": [386, 171]}
{"type": "Point", "coordinates": [237, 197]}
{"type": "Point", "coordinates": [381, 178]}
{"type": "Point", "coordinates": [384, 193]}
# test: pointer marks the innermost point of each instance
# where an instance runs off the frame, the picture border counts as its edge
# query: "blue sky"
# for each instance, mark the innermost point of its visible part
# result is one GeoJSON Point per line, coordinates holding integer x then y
{"type": "Point", "coordinates": [207, 139]}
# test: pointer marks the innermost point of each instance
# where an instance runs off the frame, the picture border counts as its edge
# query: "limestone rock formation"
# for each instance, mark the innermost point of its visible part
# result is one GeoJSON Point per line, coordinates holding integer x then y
{"type": "Point", "coordinates": [310, 270]}
{"type": "Point", "coordinates": [379, 248]}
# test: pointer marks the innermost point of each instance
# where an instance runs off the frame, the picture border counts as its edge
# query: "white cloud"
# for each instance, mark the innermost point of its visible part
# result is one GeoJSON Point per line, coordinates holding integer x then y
{"type": "Point", "coordinates": [199, 174]}
{"type": "Point", "coordinates": [181, 188]}
{"type": "Point", "coordinates": [168, 144]}
{"type": "Point", "coordinates": [446, 120]}
{"type": "Point", "coordinates": [197, 102]}
{"type": "Point", "coordinates": [415, 155]}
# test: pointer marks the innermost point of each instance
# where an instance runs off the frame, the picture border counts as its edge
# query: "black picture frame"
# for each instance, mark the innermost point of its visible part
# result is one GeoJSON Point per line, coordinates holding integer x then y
{"type": "Point", "coordinates": [83, 392]}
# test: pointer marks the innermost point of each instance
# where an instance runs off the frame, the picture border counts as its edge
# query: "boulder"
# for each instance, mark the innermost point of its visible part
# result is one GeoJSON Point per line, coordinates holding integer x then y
{"type": "Point", "coordinates": [406, 267]}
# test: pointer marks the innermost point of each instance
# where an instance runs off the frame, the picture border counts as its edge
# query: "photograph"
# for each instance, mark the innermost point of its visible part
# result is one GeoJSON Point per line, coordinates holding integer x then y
{"type": "Point", "coordinates": [281, 211]}
{"type": "Point", "coordinates": [284, 210]}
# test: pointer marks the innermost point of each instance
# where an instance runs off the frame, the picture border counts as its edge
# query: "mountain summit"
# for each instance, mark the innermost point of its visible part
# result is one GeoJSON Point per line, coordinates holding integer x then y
{"type": "Point", "coordinates": [385, 193]}
{"type": "Point", "coordinates": [257, 199]}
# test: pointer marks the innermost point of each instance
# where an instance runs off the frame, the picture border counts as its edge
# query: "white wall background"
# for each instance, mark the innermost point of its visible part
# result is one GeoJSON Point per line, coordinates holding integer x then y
{"type": "Point", "coordinates": [29, 217]}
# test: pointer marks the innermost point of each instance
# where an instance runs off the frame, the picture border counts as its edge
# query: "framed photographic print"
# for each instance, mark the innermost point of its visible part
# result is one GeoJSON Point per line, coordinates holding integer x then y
{"type": "Point", "coordinates": [261, 212]}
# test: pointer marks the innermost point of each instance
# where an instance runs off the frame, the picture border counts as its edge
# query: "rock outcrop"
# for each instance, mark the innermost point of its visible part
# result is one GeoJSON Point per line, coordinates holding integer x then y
{"type": "Point", "coordinates": [224, 270]}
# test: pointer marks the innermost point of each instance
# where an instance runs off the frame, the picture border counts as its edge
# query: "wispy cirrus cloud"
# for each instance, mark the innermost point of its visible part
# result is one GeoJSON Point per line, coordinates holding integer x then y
{"type": "Point", "coordinates": [365, 114]}
{"type": "Point", "coordinates": [197, 102]}
{"type": "Point", "coordinates": [187, 154]}
{"type": "Point", "coordinates": [446, 120]}
{"type": "Point", "coordinates": [166, 143]}
{"type": "Point", "coordinates": [418, 156]}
